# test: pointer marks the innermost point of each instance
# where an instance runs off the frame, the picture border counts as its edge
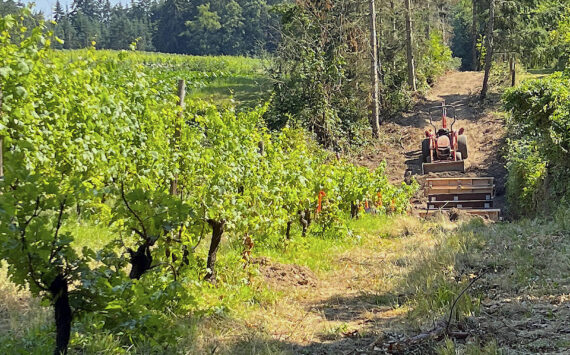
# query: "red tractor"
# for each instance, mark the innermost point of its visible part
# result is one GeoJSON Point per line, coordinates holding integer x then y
{"type": "Point", "coordinates": [444, 149]}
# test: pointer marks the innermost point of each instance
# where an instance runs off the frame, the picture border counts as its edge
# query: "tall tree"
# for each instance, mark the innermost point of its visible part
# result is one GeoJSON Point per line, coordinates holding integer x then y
{"type": "Point", "coordinates": [410, 47]}
{"type": "Point", "coordinates": [374, 119]}
{"type": "Point", "coordinates": [58, 12]}
{"type": "Point", "coordinates": [474, 35]}
{"type": "Point", "coordinates": [489, 49]}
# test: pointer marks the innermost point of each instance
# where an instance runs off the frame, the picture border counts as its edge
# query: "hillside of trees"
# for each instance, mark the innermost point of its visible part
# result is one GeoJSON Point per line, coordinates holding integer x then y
{"type": "Point", "coordinates": [201, 27]}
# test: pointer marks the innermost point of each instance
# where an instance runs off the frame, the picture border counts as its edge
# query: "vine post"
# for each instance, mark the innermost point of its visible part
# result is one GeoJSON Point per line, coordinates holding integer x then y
{"type": "Point", "coordinates": [178, 129]}
{"type": "Point", "coordinates": [513, 69]}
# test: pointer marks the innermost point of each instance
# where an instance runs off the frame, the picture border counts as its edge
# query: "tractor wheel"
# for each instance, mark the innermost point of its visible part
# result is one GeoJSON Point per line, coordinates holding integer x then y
{"type": "Point", "coordinates": [425, 151]}
{"type": "Point", "coordinates": [462, 146]}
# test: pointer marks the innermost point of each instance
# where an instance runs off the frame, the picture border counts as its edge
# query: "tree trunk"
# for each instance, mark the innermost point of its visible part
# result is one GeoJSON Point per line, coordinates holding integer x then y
{"type": "Point", "coordinates": [288, 230]}
{"type": "Point", "coordinates": [489, 49]}
{"type": "Point", "coordinates": [393, 32]}
{"type": "Point", "coordinates": [217, 231]}
{"type": "Point", "coordinates": [354, 210]}
{"type": "Point", "coordinates": [428, 19]}
{"type": "Point", "coordinates": [140, 260]}
{"type": "Point", "coordinates": [62, 312]}
{"type": "Point", "coordinates": [375, 118]}
{"type": "Point", "coordinates": [442, 20]}
{"type": "Point", "coordinates": [305, 219]}
{"type": "Point", "coordinates": [474, 32]}
{"type": "Point", "coordinates": [410, 47]}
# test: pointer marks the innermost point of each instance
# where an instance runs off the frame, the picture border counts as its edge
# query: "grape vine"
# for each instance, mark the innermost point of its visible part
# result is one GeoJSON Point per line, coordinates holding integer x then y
{"type": "Point", "coordinates": [100, 136]}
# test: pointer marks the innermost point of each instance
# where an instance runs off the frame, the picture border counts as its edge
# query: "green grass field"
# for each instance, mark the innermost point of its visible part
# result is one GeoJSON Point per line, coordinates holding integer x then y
{"type": "Point", "coordinates": [223, 80]}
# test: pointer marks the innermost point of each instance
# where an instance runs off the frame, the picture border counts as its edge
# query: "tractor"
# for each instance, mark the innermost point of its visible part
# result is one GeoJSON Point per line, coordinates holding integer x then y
{"type": "Point", "coordinates": [444, 149]}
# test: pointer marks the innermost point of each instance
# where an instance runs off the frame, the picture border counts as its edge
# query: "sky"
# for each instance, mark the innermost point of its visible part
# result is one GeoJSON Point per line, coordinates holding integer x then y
{"type": "Point", "coordinates": [46, 6]}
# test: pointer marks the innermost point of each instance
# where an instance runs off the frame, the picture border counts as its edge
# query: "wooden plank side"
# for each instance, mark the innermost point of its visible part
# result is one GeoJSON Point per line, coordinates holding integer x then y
{"type": "Point", "coordinates": [459, 178]}
{"type": "Point", "coordinates": [492, 214]}
{"type": "Point", "coordinates": [461, 197]}
{"type": "Point", "coordinates": [460, 204]}
{"type": "Point", "coordinates": [459, 190]}
{"type": "Point", "coordinates": [460, 182]}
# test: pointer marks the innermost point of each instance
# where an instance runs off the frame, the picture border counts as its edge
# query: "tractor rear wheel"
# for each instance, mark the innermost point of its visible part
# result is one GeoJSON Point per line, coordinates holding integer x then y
{"type": "Point", "coordinates": [425, 151]}
{"type": "Point", "coordinates": [462, 146]}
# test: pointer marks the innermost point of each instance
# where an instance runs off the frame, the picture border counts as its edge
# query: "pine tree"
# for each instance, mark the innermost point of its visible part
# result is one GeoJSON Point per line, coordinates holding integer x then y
{"type": "Point", "coordinates": [58, 12]}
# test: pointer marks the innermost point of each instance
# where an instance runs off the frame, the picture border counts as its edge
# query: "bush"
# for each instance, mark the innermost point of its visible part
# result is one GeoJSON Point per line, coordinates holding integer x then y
{"type": "Point", "coordinates": [539, 146]}
{"type": "Point", "coordinates": [436, 60]}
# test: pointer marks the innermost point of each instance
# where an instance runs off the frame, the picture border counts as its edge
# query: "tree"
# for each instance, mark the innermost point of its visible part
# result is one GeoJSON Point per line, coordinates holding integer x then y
{"type": "Point", "coordinates": [322, 71]}
{"type": "Point", "coordinates": [202, 31]}
{"type": "Point", "coordinates": [474, 37]}
{"type": "Point", "coordinates": [489, 49]}
{"type": "Point", "coordinates": [410, 47]}
{"type": "Point", "coordinates": [58, 12]}
{"type": "Point", "coordinates": [374, 119]}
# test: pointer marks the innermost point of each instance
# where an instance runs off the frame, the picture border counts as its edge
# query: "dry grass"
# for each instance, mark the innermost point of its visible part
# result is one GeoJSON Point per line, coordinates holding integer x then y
{"type": "Point", "coordinates": [366, 291]}
{"type": "Point", "coordinates": [400, 276]}
{"type": "Point", "coordinates": [404, 275]}
{"type": "Point", "coordinates": [20, 313]}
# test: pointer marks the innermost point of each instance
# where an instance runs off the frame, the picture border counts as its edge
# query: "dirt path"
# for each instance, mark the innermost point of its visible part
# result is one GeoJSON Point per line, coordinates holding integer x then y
{"type": "Point", "coordinates": [400, 281]}
{"type": "Point", "coordinates": [401, 138]}
{"type": "Point", "coordinates": [407, 271]}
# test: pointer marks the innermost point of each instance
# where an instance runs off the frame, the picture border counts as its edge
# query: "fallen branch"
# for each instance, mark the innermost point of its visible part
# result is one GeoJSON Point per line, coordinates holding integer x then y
{"type": "Point", "coordinates": [457, 299]}
{"type": "Point", "coordinates": [437, 333]}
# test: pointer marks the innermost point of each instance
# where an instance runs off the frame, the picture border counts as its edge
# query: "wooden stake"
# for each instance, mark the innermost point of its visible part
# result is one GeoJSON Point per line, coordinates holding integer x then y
{"type": "Point", "coordinates": [178, 129]}
{"type": "Point", "coordinates": [513, 67]}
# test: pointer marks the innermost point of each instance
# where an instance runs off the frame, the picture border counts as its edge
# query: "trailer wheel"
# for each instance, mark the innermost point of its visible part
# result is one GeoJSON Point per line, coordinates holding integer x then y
{"type": "Point", "coordinates": [462, 146]}
{"type": "Point", "coordinates": [425, 151]}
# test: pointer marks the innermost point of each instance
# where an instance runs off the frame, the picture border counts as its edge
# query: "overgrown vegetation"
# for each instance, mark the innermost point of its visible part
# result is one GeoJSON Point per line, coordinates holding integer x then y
{"type": "Point", "coordinates": [322, 68]}
{"type": "Point", "coordinates": [101, 138]}
{"type": "Point", "coordinates": [539, 145]}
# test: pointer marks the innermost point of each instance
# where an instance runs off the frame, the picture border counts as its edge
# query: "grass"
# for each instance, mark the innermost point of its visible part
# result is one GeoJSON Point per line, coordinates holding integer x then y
{"type": "Point", "coordinates": [225, 80]}
{"type": "Point", "coordinates": [247, 92]}
{"type": "Point", "coordinates": [395, 273]}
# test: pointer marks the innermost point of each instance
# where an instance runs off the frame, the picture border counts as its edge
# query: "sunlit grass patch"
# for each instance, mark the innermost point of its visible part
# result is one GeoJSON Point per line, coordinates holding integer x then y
{"type": "Point", "coordinates": [24, 322]}
{"type": "Point", "coordinates": [87, 234]}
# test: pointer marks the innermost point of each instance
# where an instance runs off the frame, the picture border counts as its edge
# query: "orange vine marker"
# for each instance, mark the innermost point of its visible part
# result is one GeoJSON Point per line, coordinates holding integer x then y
{"type": "Point", "coordinates": [320, 206]}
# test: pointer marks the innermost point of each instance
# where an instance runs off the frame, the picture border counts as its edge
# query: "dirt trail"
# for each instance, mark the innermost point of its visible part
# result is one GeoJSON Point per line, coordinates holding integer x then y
{"type": "Point", "coordinates": [368, 297]}
{"type": "Point", "coordinates": [400, 143]}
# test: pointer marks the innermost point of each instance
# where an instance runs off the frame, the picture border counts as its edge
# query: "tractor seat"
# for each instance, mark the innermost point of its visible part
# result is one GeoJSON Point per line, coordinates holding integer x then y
{"type": "Point", "coordinates": [443, 142]}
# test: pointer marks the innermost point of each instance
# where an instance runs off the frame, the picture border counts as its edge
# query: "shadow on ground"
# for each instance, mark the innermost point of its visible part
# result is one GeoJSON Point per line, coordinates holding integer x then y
{"type": "Point", "coordinates": [519, 304]}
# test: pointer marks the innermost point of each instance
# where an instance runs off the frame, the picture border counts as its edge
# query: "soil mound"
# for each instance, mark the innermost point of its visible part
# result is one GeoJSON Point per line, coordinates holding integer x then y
{"type": "Point", "coordinates": [285, 275]}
